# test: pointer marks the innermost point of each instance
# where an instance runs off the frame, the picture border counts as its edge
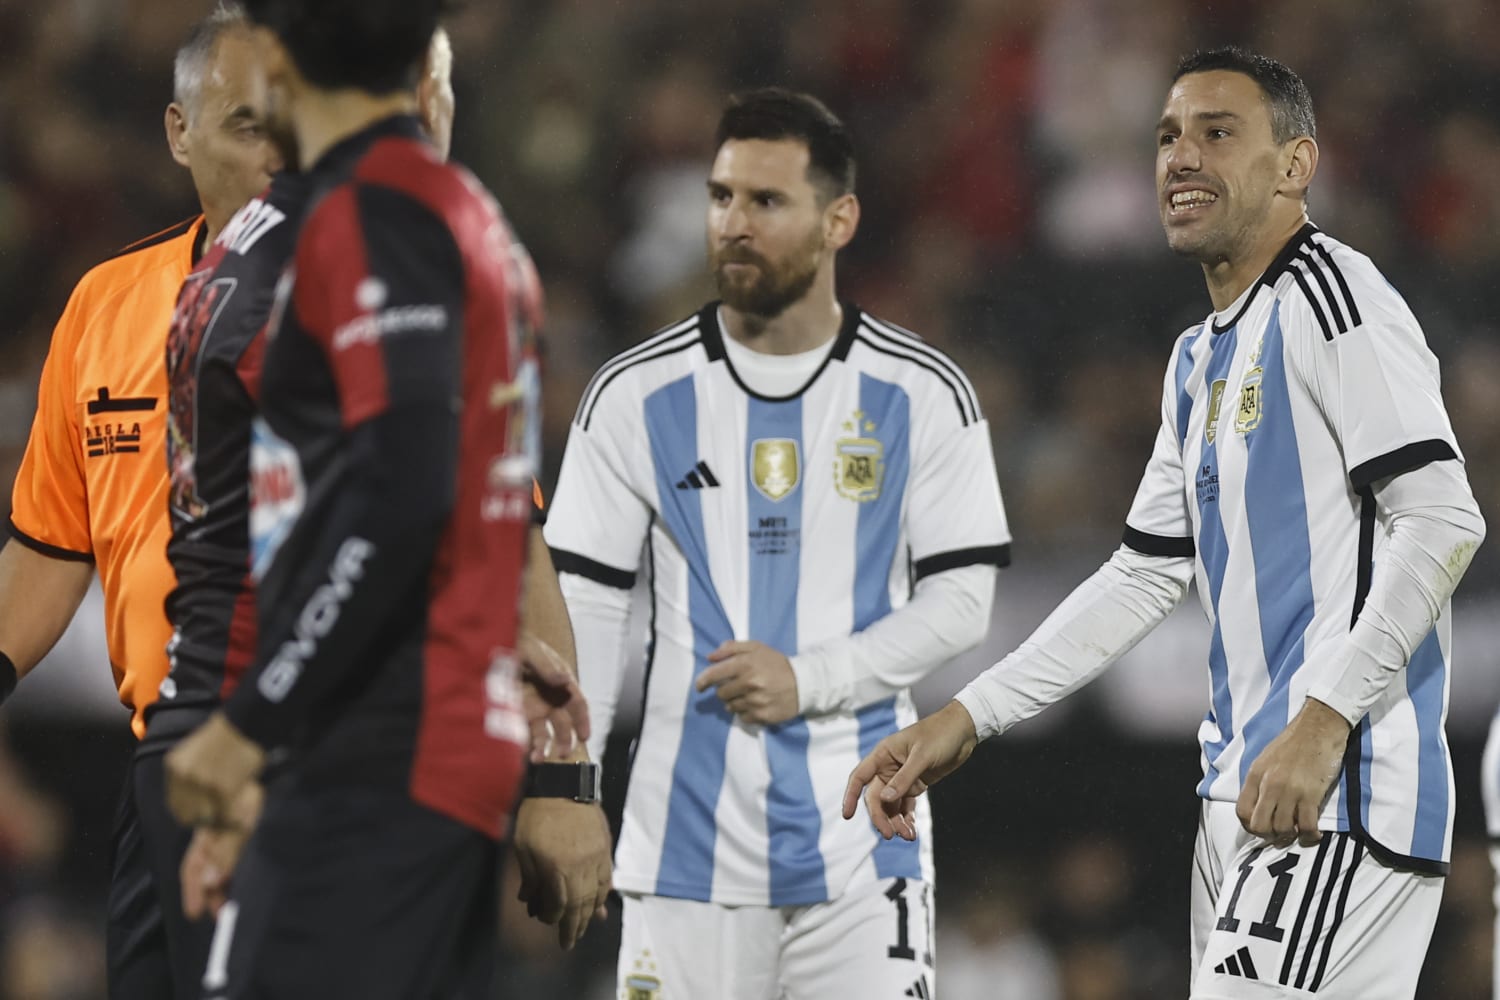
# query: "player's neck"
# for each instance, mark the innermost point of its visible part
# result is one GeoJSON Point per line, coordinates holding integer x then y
{"type": "Point", "coordinates": [324, 118]}
{"type": "Point", "coordinates": [809, 323]}
{"type": "Point", "coordinates": [1228, 279]}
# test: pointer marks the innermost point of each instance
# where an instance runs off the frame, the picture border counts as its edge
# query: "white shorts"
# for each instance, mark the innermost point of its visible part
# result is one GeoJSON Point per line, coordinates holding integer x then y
{"type": "Point", "coordinates": [1328, 921]}
{"type": "Point", "coordinates": [873, 942]}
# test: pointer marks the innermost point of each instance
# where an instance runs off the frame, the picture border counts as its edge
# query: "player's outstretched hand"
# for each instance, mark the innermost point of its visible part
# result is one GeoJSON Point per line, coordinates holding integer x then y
{"type": "Point", "coordinates": [563, 850]}
{"type": "Point", "coordinates": [1285, 788]}
{"type": "Point", "coordinates": [554, 704]}
{"type": "Point", "coordinates": [754, 681]}
{"type": "Point", "coordinates": [212, 856]}
{"type": "Point", "coordinates": [207, 771]}
{"type": "Point", "coordinates": [905, 764]}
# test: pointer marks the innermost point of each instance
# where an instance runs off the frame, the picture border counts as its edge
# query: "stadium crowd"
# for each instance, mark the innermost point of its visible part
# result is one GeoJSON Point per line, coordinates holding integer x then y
{"type": "Point", "coordinates": [1005, 165]}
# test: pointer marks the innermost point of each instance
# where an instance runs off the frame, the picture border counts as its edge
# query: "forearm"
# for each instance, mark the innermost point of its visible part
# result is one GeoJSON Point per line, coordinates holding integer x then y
{"type": "Point", "coordinates": [39, 596]}
{"type": "Point", "coordinates": [544, 612]}
{"type": "Point", "coordinates": [370, 561]}
{"type": "Point", "coordinates": [1435, 528]}
{"type": "Point", "coordinates": [600, 615]}
{"type": "Point", "coordinates": [948, 614]}
{"type": "Point", "coordinates": [1097, 624]}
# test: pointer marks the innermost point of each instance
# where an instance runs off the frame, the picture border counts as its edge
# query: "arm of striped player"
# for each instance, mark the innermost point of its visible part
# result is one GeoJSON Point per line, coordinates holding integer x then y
{"type": "Point", "coordinates": [600, 615]}
{"type": "Point", "coordinates": [1093, 627]}
{"type": "Point", "coordinates": [948, 614]}
{"type": "Point", "coordinates": [1435, 528]}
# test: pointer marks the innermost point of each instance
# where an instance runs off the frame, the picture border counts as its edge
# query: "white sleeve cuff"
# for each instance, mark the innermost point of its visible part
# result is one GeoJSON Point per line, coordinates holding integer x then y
{"type": "Point", "coordinates": [825, 679]}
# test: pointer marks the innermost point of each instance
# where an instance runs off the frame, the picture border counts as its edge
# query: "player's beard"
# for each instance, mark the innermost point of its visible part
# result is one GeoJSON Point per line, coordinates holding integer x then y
{"type": "Point", "coordinates": [773, 286]}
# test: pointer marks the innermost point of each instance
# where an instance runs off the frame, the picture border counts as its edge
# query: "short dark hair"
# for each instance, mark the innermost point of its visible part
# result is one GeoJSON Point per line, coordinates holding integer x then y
{"type": "Point", "coordinates": [774, 113]}
{"type": "Point", "coordinates": [371, 45]}
{"type": "Point", "coordinates": [1289, 100]}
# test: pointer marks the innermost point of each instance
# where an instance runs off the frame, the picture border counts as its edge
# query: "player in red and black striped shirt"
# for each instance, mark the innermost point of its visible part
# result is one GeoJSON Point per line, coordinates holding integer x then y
{"type": "Point", "coordinates": [391, 498]}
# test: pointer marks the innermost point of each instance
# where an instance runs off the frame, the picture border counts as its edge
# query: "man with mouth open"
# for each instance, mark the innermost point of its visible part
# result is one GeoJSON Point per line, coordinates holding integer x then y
{"type": "Point", "coordinates": [1306, 475]}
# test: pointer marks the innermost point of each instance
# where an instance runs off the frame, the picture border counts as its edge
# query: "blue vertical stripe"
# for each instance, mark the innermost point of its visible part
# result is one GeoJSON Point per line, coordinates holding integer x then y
{"type": "Point", "coordinates": [877, 537]}
{"type": "Point", "coordinates": [687, 855]}
{"type": "Point", "coordinates": [793, 822]}
{"type": "Point", "coordinates": [1426, 679]}
{"type": "Point", "coordinates": [1213, 549]}
{"type": "Point", "coordinates": [1276, 510]}
{"type": "Point", "coordinates": [1184, 370]}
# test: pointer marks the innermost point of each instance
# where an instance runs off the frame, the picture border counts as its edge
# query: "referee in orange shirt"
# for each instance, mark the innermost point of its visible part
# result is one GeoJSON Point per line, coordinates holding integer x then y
{"type": "Point", "coordinates": [92, 489]}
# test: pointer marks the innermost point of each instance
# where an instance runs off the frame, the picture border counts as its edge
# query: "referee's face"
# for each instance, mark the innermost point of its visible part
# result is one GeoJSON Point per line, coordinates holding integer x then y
{"type": "Point", "coordinates": [1216, 166]}
{"type": "Point", "coordinates": [766, 225]}
{"type": "Point", "coordinates": [225, 142]}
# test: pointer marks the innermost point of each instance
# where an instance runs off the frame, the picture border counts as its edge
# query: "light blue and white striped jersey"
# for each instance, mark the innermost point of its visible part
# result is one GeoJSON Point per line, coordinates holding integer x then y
{"type": "Point", "coordinates": [1278, 416]}
{"type": "Point", "coordinates": [791, 521]}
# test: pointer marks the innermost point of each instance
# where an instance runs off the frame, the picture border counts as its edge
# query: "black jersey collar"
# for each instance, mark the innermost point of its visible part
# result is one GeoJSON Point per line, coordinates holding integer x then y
{"type": "Point", "coordinates": [713, 346]}
{"type": "Point", "coordinates": [342, 155]}
{"type": "Point", "coordinates": [1269, 276]}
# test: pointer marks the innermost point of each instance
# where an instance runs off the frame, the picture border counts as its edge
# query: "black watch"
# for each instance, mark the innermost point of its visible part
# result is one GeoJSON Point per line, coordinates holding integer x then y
{"type": "Point", "coordinates": [579, 782]}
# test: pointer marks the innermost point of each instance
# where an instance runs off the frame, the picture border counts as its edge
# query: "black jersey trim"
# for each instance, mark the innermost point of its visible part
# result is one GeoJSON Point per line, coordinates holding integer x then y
{"type": "Point", "coordinates": [958, 398]}
{"type": "Point", "coordinates": [1268, 279]}
{"type": "Point", "coordinates": [1403, 459]}
{"type": "Point", "coordinates": [713, 343]}
{"type": "Point", "coordinates": [1159, 545]}
{"type": "Point", "coordinates": [156, 239]}
{"type": "Point", "coordinates": [906, 338]}
{"type": "Point", "coordinates": [1305, 262]}
{"type": "Point", "coordinates": [586, 415]}
{"type": "Point", "coordinates": [1308, 892]}
{"type": "Point", "coordinates": [627, 358]}
{"type": "Point", "coordinates": [1338, 277]}
{"type": "Point", "coordinates": [52, 551]}
{"type": "Point", "coordinates": [571, 562]}
{"type": "Point", "coordinates": [984, 555]}
{"type": "Point", "coordinates": [1338, 919]}
{"type": "Point", "coordinates": [1312, 300]}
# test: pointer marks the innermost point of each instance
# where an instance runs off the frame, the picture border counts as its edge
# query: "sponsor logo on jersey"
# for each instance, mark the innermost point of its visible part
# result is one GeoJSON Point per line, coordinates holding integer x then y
{"type": "Point", "coordinates": [248, 225]}
{"type": "Point", "coordinates": [859, 462]}
{"type": "Point", "coordinates": [504, 718]}
{"type": "Point", "coordinates": [391, 322]}
{"type": "Point", "coordinates": [1215, 398]}
{"type": "Point", "coordinates": [277, 494]}
{"type": "Point", "coordinates": [775, 467]}
{"type": "Point", "coordinates": [318, 617]}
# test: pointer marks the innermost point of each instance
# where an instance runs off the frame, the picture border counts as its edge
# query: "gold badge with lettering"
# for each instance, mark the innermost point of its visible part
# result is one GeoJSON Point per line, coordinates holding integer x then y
{"type": "Point", "coordinates": [859, 462]}
{"type": "Point", "coordinates": [775, 467]}
{"type": "Point", "coordinates": [1215, 397]}
{"type": "Point", "coordinates": [1247, 416]}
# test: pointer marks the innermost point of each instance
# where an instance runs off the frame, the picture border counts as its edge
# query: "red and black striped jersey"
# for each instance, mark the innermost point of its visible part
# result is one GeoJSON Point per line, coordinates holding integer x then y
{"type": "Point", "coordinates": [391, 494]}
{"type": "Point", "coordinates": [214, 353]}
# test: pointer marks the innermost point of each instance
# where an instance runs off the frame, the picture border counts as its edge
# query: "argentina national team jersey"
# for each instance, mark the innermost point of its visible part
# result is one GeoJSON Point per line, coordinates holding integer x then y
{"type": "Point", "coordinates": [790, 521]}
{"type": "Point", "coordinates": [1278, 417]}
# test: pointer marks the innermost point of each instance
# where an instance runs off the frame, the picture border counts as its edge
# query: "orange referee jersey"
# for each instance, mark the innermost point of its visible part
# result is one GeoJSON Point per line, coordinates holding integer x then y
{"type": "Point", "coordinates": [93, 484]}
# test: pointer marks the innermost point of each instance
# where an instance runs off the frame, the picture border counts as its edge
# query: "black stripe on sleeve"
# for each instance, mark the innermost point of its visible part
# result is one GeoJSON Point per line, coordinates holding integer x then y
{"type": "Point", "coordinates": [1159, 545]}
{"type": "Point", "coordinates": [1403, 459]}
{"type": "Point", "coordinates": [585, 415]}
{"type": "Point", "coordinates": [986, 555]}
{"type": "Point", "coordinates": [572, 562]}
{"type": "Point", "coordinates": [953, 387]}
{"type": "Point", "coordinates": [1312, 300]}
{"type": "Point", "coordinates": [52, 551]}
{"type": "Point", "coordinates": [1327, 289]}
{"type": "Point", "coordinates": [1338, 276]}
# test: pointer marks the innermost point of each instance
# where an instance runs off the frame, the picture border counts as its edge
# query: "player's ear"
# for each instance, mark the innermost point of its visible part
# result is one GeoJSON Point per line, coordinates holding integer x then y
{"type": "Point", "coordinates": [1300, 164]}
{"type": "Point", "coordinates": [177, 125]}
{"type": "Point", "coordinates": [840, 220]}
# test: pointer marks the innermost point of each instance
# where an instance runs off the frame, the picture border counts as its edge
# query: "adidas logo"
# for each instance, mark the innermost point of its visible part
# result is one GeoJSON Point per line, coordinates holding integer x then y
{"type": "Point", "coordinates": [919, 990]}
{"type": "Point", "coordinates": [701, 478]}
{"type": "Point", "coordinates": [1238, 964]}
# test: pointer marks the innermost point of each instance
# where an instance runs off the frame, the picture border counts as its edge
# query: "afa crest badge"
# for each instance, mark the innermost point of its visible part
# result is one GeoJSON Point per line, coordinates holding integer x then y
{"type": "Point", "coordinates": [859, 461]}
{"type": "Point", "coordinates": [1247, 415]}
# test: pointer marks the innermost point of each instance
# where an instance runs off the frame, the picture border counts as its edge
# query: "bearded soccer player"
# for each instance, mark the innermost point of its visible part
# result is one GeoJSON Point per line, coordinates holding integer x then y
{"type": "Point", "coordinates": [391, 467]}
{"type": "Point", "coordinates": [214, 359]}
{"type": "Point", "coordinates": [1307, 476]}
{"type": "Point", "coordinates": [815, 497]}
{"type": "Point", "coordinates": [92, 489]}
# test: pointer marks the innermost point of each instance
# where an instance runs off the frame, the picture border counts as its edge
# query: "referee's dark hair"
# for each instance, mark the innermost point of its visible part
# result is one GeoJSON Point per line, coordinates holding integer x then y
{"type": "Point", "coordinates": [372, 45]}
{"type": "Point", "coordinates": [774, 113]}
{"type": "Point", "coordinates": [1288, 97]}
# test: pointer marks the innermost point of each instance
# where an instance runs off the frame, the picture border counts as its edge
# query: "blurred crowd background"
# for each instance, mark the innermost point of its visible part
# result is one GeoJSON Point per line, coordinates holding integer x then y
{"type": "Point", "coordinates": [1009, 217]}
